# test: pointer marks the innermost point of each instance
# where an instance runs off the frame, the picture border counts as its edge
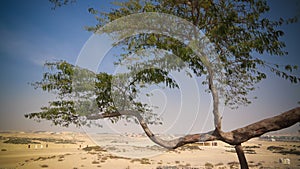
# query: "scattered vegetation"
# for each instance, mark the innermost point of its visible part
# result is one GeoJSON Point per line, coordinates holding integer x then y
{"type": "Point", "coordinates": [282, 150]}
{"type": "Point", "coordinates": [17, 140]}
{"type": "Point", "coordinates": [166, 167]}
{"type": "Point", "coordinates": [142, 160]}
{"type": "Point", "coordinates": [219, 164]}
{"type": "Point", "coordinates": [222, 167]}
{"type": "Point", "coordinates": [57, 141]}
{"type": "Point", "coordinates": [44, 166]}
{"type": "Point", "coordinates": [61, 158]}
{"type": "Point", "coordinates": [24, 140]}
{"type": "Point", "coordinates": [94, 148]}
{"type": "Point", "coordinates": [255, 165]}
{"type": "Point", "coordinates": [95, 162]}
{"type": "Point", "coordinates": [177, 167]}
{"type": "Point", "coordinates": [209, 166]}
{"type": "Point", "coordinates": [250, 147]}
{"type": "Point", "coordinates": [291, 151]}
{"type": "Point", "coordinates": [247, 149]}
{"type": "Point", "coordinates": [117, 157]}
{"type": "Point", "coordinates": [233, 165]}
{"type": "Point", "coordinates": [103, 159]}
{"type": "Point", "coordinates": [274, 148]}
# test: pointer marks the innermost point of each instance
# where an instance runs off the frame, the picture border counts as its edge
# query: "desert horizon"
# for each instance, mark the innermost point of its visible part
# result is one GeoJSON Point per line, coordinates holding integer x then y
{"type": "Point", "coordinates": [42, 149]}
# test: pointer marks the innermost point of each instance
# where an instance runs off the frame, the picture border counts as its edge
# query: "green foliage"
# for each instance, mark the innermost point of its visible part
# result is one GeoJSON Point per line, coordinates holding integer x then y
{"type": "Point", "coordinates": [17, 140]}
{"type": "Point", "coordinates": [23, 140]}
{"type": "Point", "coordinates": [238, 30]}
{"type": "Point", "coordinates": [156, 76]}
{"type": "Point", "coordinates": [81, 93]}
{"type": "Point", "coordinates": [59, 3]}
{"type": "Point", "coordinates": [94, 148]}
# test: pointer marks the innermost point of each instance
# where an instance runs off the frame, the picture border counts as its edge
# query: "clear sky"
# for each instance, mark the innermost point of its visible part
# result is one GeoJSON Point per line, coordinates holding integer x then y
{"type": "Point", "coordinates": [32, 33]}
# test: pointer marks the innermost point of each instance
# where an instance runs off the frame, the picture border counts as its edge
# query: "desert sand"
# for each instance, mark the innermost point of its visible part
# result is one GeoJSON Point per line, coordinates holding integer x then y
{"type": "Point", "coordinates": [112, 151]}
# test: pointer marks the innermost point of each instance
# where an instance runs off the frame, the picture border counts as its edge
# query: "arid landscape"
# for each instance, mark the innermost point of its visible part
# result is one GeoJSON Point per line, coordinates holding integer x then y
{"type": "Point", "coordinates": [78, 150]}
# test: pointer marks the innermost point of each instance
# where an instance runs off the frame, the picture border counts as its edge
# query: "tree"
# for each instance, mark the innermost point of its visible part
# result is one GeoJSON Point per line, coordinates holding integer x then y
{"type": "Point", "coordinates": [238, 34]}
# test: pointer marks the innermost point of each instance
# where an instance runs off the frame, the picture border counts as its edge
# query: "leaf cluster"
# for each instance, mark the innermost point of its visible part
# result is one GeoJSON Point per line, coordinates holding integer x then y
{"type": "Point", "coordinates": [81, 93]}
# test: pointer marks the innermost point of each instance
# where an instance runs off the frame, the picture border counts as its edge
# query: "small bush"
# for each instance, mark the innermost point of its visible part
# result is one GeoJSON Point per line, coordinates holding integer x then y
{"type": "Point", "coordinates": [209, 166]}
{"type": "Point", "coordinates": [95, 148]}
{"type": "Point", "coordinates": [44, 166]}
{"type": "Point", "coordinates": [145, 161]}
{"type": "Point", "coordinates": [60, 159]}
{"type": "Point", "coordinates": [274, 148]}
{"type": "Point", "coordinates": [142, 161]}
{"type": "Point", "coordinates": [95, 162]}
{"type": "Point", "coordinates": [218, 164]}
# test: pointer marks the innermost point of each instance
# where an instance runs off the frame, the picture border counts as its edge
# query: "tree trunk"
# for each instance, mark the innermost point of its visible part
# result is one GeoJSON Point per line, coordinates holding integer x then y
{"type": "Point", "coordinates": [241, 155]}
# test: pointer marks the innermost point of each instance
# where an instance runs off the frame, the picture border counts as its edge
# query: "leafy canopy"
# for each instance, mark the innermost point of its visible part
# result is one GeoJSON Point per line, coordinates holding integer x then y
{"type": "Point", "coordinates": [238, 29]}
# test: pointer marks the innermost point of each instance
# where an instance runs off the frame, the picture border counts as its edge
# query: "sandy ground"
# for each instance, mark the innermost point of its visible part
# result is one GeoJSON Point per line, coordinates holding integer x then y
{"type": "Point", "coordinates": [74, 156]}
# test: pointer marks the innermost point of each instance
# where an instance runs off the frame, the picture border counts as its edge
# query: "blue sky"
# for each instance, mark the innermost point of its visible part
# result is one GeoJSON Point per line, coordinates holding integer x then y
{"type": "Point", "coordinates": [31, 33]}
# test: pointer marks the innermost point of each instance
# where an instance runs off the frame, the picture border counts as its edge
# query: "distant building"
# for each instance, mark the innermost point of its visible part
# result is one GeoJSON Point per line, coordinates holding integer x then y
{"type": "Point", "coordinates": [285, 161]}
{"type": "Point", "coordinates": [280, 138]}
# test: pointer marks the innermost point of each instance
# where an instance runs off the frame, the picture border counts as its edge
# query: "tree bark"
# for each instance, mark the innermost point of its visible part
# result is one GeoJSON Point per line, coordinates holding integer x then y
{"type": "Point", "coordinates": [241, 156]}
{"type": "Point", "coordinates": [241, 135]}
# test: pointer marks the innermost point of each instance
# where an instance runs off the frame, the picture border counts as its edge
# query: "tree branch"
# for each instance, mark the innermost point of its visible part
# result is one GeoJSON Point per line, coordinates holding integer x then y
{"type": "Point", "coordinates": [214, 92]}
{"type": "Point", "coordinates": [240, 135]}
{"type": "Point", "coordinates": [235, 137]}
{"type": "Point", "coordinates": [169, 144]}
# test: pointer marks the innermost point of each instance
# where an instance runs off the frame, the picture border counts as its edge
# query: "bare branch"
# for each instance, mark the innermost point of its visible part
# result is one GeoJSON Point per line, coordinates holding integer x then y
{"type": "Point", "coordinates": [169, 144]}
{"type": "Point", "coordinates": [259, 128]}
{"type": "Point", "coordinates": [235, 137]}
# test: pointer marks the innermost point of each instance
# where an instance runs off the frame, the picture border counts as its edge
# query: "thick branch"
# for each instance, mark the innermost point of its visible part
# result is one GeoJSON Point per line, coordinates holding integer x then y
{"type": "Point", "coordinates": [215, 96]}
{"type": "Point", "coordinates": [169, 144]}
{"type": "Point", "coordinates": [257, 129]}
{"type": "Point", "coordinates": [235, 137]}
